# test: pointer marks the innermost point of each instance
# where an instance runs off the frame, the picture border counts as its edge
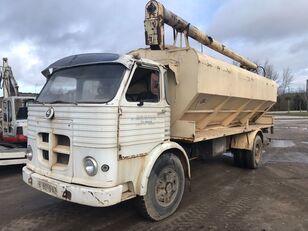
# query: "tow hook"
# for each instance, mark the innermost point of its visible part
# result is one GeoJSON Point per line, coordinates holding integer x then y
{"type": "Point", "coordinates": [30, 180]}
{"type": "Point", "coordinates": [67, 194]}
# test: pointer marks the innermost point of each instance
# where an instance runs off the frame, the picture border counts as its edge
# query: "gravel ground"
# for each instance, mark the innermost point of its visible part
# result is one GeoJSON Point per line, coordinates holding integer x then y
{"type": "Point", "coordinates": [222, 197]}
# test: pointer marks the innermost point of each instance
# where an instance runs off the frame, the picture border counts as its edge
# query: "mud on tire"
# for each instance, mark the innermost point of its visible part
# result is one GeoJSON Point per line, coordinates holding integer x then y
{"type": "Point", "coordinates": [165, 188]}
{"type": "Point", "coordinates": [253, 157]}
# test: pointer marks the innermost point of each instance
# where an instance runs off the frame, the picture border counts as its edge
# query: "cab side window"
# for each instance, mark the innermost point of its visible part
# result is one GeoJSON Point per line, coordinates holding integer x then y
{"type": "Point", "coordinates": [144, 86]}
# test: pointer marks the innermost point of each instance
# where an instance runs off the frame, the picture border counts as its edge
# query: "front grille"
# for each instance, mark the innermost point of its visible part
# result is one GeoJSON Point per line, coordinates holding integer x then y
{"type": "Point", "coordinates": [45, 137]}
{"type": "Point", "coordinates": [54, 148]}
{"type": "Point", "coordinates": [63, 140]}
{"type": "Point", "coordinates": [45, 154]}
{"type": "Point", "coordinates": [62, 158]}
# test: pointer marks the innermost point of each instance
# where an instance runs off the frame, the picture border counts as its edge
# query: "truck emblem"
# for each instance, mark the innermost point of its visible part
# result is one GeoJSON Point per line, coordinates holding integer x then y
{"type": "Point", "coordinates": [50, 113]}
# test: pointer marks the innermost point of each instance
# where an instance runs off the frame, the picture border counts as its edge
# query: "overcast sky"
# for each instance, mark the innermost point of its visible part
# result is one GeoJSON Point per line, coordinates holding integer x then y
{"type": "Point", "coordinates": [34, 33]}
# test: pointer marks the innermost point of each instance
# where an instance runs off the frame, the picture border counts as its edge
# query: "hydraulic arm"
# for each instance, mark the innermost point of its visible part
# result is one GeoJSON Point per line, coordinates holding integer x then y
{"type": "Point", "coordinates": [7, 80]}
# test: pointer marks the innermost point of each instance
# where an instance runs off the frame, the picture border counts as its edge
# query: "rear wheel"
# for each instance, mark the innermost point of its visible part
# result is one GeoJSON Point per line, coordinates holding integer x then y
{"type": "Point", "coordinates": [253, 157]}
{"type": "Point", "coordinates": [165, 188]}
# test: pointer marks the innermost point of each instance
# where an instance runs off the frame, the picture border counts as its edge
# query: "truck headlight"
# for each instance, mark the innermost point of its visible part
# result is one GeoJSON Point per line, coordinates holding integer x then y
{"type": "Point", "coordinates": [90, 166]}
{"type": "Point", "coordinates": [29, 153]}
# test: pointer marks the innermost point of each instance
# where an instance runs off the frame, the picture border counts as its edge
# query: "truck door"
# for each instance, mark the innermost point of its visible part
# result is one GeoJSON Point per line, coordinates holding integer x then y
{"type": "Point", "coordinates": [143, 111]}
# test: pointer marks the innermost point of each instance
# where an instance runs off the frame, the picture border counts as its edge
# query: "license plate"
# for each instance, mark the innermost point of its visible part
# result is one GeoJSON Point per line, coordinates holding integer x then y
{"type": "Point", "coordinates": [46, 187]}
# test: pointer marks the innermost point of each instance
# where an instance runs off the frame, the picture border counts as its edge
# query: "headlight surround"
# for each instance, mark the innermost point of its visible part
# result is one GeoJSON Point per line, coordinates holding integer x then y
{"type": "Point", "coordinates": [90, 166]}
{"type": "Point", "coordinates": [29, 153]}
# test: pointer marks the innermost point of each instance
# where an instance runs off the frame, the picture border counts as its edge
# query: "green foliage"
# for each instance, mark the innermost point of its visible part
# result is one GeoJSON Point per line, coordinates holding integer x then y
{"type": "Point", "coordinates": [291, 101]}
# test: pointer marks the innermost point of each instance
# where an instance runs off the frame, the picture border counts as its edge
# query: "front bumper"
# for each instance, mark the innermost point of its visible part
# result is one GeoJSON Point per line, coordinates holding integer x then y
{"type": "Point", "coordinates": [97, 197]}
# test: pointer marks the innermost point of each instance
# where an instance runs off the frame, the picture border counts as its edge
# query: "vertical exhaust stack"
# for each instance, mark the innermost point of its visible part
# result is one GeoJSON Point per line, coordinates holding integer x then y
{"type": "Point", "coordinates": [156, 15]}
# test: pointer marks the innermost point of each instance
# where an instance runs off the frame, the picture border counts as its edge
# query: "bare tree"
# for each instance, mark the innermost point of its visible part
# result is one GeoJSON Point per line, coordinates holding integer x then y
{"type": "Point", "coordinates": [286, 81]}
{"type": "Point", "coordinates": [270, 71]}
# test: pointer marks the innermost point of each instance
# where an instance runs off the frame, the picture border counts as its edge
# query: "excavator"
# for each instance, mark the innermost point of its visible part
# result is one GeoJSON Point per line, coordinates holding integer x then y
{"type": "Point", "coordinates": [14, 108]}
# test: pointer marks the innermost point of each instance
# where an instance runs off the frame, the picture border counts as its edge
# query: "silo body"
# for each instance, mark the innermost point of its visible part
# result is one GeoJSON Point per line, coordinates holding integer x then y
{"type": "Point", "coordinates": [211, 98]}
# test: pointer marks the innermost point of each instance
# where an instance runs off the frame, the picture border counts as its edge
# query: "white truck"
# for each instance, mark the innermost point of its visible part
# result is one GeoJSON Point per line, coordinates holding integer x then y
{"type": "Point", "coordinates": [13, 118]}
{"type": "Point", "coordinates": [107, 127]}
{"type": "Point", "coordinates": [11, 155]}
{"type": "Point", "coordinates": [14, 107]}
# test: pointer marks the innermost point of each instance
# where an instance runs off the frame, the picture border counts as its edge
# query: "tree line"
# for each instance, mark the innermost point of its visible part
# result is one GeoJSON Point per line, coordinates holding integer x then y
{"type": "Point", "coordinates": [288, 98]}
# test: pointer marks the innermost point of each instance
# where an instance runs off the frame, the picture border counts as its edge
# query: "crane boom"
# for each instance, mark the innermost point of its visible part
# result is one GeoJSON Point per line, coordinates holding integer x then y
{"type": "Point", "coordinates": [156, 15]}
{"type": "Point", "coordinates": [7, 80]}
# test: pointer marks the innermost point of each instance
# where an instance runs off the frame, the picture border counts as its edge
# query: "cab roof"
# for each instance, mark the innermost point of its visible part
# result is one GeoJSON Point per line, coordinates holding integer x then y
{"type": "Point", "coordinates": [80, 60]}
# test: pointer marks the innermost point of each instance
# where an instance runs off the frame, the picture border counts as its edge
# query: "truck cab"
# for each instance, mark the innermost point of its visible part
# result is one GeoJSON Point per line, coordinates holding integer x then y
{"type": "Point", "coordinates": [97, 128]}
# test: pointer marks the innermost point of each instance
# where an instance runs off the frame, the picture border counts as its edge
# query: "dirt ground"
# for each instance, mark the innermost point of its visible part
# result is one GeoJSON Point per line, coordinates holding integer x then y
{"type": "Point", "coordinates": [222, 197]}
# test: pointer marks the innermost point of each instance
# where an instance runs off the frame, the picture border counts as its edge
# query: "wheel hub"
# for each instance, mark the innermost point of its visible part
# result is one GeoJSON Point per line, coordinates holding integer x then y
{"type": "Point", "coordinates": [167, 187]}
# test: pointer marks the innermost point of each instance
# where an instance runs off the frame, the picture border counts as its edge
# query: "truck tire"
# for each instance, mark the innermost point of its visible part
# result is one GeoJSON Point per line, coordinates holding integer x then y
{"type": "Point", "coordinates": [253, 157]}
{"type": "Point", "coordinates": [239, 158]}
{"type": "Point", "coordinates": [165, 188]}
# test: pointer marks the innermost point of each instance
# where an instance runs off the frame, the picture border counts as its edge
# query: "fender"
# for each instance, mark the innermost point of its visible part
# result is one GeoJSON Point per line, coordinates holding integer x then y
{"type": "Point", "coordinates": [151, 158]}
{"type": "Point", "coordinates": [245, 140]}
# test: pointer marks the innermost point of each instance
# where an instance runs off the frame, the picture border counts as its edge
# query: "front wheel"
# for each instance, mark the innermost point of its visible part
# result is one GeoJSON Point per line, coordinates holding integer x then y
{"type": "Point", "coordinates": [165, 188]}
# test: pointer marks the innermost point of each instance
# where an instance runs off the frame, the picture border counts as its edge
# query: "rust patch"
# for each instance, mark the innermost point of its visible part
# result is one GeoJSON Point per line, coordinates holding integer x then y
{"type": "Point", "coordinates": [132, 156]}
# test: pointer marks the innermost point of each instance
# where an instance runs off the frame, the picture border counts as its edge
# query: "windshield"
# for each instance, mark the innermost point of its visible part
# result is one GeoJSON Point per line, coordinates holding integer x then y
{"type": "Point", "coordinates": [84, 84]}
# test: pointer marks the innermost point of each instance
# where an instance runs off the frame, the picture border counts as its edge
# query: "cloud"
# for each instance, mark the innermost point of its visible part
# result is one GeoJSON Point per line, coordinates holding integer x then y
{"type": "Point", "coordinates": [300, 46]}
{"type": "Point", "coordinates": [260, 21]}
{"type": "Point", "coordinates": [35, 33]}
{"type": "Point", "coordinates": [273, 30]}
